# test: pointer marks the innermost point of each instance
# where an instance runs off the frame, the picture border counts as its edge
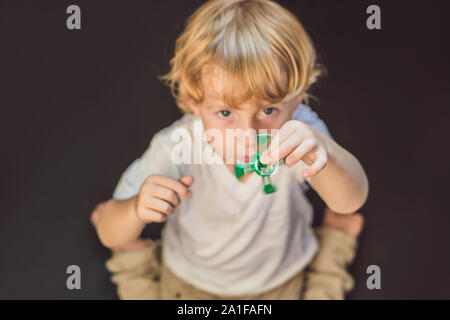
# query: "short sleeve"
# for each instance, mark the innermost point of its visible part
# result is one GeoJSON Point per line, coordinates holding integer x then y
{"type": "Point", "coordinates": [155, 160]}
{"type": "Point", "coordinates": [305, 114]}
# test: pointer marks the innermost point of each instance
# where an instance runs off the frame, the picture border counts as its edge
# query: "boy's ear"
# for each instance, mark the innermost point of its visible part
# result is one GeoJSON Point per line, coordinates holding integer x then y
{"type": "Point", "coordinates": [193, 107]}
{"type": "Point", "coordinates": [299, 99]}
{"type": "Point", "coordinates": [295, 102]}
{"type": "Point", "coordinates": [188, 100]}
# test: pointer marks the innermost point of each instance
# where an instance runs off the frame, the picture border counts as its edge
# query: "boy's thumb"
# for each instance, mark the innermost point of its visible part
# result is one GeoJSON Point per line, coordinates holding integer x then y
{"type": "Point", "coordinates": [187, 180]}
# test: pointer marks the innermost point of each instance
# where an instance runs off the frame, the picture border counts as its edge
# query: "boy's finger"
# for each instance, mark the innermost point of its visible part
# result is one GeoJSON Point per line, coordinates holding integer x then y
{"type": "Point", "coordinates": [174, 185]}
{"type": "Point", "coordinates": [277, 139]}
{"type": "Point", "coordinates": [300, 152]}
{"type": "Point", "coordinates": [160, 206]}
{"type": "Point", "coordinates": [319, 164]}
{"type": "Point", "coordinates": [284, 149]}
{"type": "Point", "coordinates": [150, 215]}
{"type": "Point", "coordinates": [166, 194]}
{"type": "Point", "coordinates": [187, 180]}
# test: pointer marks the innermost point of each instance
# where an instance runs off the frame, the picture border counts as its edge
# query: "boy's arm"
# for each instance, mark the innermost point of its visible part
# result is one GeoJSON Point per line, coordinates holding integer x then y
{"type": "Point", "coordinates": [122, 220]}
{"type": "Point", "coordinates": [305, 114]}
{"type": "Point", "coordinates": [342, 183]}
{"type": "Point", "coordinates": [119, 224]}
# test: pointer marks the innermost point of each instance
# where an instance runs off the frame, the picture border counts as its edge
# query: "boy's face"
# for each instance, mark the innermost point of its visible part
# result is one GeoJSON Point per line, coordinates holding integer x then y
{"type": "Point", "coordinates": [237, 127]}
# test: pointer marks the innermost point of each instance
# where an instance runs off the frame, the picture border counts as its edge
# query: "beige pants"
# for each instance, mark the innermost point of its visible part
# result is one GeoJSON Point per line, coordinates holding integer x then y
{"type": "Point", "coordinates": [142, 274]}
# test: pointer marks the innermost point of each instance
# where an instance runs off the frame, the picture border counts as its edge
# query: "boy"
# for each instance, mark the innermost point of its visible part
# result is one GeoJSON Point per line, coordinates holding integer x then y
{"type": "Point", "coordinates": [241, 67]}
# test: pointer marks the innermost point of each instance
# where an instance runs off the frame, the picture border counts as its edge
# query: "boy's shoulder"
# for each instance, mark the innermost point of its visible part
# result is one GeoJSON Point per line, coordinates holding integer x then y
{"type": "Point", "coordinates": [184, 127]}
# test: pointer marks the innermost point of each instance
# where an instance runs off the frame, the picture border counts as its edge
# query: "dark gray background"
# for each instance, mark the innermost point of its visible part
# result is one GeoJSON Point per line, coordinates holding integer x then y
{"type": "Point", "coordinates": [79, 106]}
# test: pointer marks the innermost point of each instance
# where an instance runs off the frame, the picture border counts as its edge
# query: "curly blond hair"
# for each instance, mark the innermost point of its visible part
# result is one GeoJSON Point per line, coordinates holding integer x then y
{"type": "Point", "coordinates": [262, 47]}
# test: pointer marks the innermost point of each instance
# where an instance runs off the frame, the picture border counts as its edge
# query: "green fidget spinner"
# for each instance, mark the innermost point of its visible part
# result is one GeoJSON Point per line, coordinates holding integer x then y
{"type": "Point", "coordinates": [263, 170]}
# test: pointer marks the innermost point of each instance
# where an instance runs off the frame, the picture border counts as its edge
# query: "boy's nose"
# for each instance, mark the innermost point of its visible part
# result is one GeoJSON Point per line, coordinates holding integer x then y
{"type": "Point", "coordinates": [250, 124]}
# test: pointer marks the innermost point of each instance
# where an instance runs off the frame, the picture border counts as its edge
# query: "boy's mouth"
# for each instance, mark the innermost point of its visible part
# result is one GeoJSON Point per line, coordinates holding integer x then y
{"type": "Point", "coordinates": [244, 159]}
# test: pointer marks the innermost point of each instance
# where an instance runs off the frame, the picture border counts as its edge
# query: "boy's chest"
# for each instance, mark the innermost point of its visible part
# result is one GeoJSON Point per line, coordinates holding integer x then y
{"type": "Point", "coordinates": [220, 206]}
{"type": "Point", "coordinates": [244, 178]}
{"type": "Point", "coordinates": [217, 190]}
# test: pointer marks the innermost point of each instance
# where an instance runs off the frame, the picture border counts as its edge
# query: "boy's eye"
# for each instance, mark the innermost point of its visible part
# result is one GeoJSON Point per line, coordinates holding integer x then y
{"type": "Point", "coordinates": [268, 111]}
{"type": "Point", "coordinates": [224, 113]}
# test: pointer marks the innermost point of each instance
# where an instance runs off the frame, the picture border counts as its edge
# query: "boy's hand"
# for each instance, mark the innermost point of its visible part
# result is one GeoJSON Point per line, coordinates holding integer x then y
{"type": "Point", "coordinates": [159, 195]}
{"type": "Point", "coordinates": [297, 141]}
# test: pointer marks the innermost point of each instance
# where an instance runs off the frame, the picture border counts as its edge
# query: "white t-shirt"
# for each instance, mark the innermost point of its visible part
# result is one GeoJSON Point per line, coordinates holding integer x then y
{"type": "Point", "coordinates": [230, 238]}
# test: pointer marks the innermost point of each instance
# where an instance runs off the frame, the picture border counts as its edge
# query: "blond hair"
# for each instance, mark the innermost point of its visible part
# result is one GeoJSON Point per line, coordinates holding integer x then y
{"type": "Point", "coordinates": [262, 47]}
